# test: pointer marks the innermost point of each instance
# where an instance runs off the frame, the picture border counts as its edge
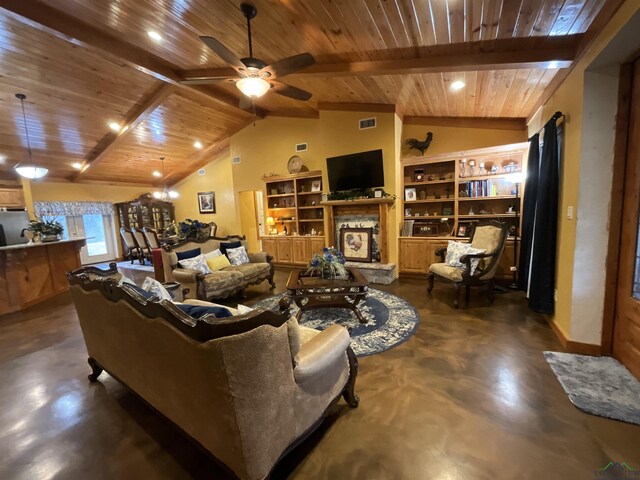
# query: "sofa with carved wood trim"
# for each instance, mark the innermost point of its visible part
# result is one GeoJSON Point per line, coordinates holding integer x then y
{"type": "Point", "coordinates": [247, 388]}
{"type": "Point", "coordinates": [222, 283]}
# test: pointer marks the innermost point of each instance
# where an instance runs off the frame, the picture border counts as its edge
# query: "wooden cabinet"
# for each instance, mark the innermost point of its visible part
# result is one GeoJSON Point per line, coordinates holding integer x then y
{"type": "Point", "coordinates": [284, 250]}
{"type": "Point", "coordinates": [413, 256]}
{"type": "Point", "coordinates": [292, 250]}
{"type": "Point", "coordinates": [301, 249]}
{"type": "Point", "coordinates": [11, 198]}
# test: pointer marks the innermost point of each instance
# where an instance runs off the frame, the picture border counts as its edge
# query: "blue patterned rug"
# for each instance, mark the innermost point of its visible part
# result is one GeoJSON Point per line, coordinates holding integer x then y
{"type": "Point", "coordinates": [598, 385]}
{"type": "Point", "coordinates": [391, 321]}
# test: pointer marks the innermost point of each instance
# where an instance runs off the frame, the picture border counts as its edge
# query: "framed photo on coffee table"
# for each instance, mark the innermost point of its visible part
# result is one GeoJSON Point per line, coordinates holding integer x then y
{"type": "Point", "coordinates": [356, 243]}
{"type": "Point", "coordinates": [207, 202]}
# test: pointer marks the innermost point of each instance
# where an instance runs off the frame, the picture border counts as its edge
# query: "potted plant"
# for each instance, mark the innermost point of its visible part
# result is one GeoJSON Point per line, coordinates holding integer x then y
{"type": "Point", "coordinates": [46, 230]}
{"type": "Point", "coordinates": [329, 264]}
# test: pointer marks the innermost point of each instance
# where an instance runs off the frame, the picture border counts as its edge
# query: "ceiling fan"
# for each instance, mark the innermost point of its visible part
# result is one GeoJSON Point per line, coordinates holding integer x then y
{"type": "Point", "coordinates": [255, 77]}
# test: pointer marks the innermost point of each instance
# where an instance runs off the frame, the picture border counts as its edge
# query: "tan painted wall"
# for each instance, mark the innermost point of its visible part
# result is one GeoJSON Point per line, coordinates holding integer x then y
{"type": "Point", "coordinates": [218, 179]}
{"type": "Point", "coordinates": [68, 192]}
{"type": "Point", "coordinates": [569, 100]}
{"type": "Point", "coordinates": [267, 146]}
{"type": "Point", "coordinates": [452, 139]}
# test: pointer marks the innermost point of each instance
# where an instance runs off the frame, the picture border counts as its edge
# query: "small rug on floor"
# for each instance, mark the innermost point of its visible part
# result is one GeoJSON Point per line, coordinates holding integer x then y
{"type": "Point", "coordinates": [391, 321]}
{"type": "Point", "coordinates": [598, 385]}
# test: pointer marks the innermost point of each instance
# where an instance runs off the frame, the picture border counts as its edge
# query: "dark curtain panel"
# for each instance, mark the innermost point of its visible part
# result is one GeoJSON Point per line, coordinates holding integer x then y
{"type": "Point", "coordinates": [529, 212]}
{"type": "Point", "coordinates": [543, 251]}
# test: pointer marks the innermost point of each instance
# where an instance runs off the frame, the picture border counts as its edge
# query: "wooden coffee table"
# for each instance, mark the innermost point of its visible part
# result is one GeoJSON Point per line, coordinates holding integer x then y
{"type": "Point", "coordinates": [309, 292]}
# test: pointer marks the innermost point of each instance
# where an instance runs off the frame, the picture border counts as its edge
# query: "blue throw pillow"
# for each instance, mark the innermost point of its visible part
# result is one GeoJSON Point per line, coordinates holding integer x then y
{"type": "Point", "coordinates": [188, 254]}
{"type": "Point", "coordinates": [226, 245]}
{"type": "Point", "coordinates": [199, 311]}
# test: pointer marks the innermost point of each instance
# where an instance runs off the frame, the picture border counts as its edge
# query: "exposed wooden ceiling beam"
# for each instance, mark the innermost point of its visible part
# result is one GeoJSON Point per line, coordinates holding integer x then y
{"type": "Point", "coordinates": [71, 29]}
{"type": "Point", "coordinates": [469, 122]}
{"type": "Point", "coordinates": [134, 117]}
{"type": "Point", "coordinates": [509, 53]}
{"type": "Point", "coordinates": [605, 14]}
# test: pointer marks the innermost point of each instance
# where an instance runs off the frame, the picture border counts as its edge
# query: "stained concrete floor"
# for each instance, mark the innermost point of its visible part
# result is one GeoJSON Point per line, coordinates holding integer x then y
{"type": "Point", "coordinates": [469, 396]}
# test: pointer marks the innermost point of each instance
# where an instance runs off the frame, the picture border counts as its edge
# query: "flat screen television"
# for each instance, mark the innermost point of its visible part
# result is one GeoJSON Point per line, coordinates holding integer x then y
{"type": "Point", "coordinates": [356, 171]}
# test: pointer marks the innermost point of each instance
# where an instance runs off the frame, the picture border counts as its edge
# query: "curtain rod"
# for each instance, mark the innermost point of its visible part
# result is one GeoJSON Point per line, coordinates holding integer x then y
{"type": "Point", "coordinates": [556, 116]}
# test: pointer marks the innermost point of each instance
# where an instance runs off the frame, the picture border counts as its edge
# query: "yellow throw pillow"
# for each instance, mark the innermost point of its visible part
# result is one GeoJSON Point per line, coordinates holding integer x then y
{"type": "Point", "coordinates": [218, 263]}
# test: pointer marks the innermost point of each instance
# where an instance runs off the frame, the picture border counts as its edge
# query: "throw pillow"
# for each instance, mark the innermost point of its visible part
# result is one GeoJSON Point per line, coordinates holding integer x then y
{"type": "Point", "coordinates": [198, 263]}
{"type": "Point", "coordinates": [454, 251]}
{"type": "Point", "coordinates": [153, 286]}
{"type": "Point", "coordinates": [199, 312]}
{"type": "Point", "coordinates": [242, 309]}
{"type": "Point", "coordinates": [146, 295]}
{"type": "Point", "coordinates": [188, 254]}
{"type": "Point", "coordinates": [237, 256]}
{"type": "Point", "coordinates": [218, 263]}
{"type": "Point", "coordinates": [214, 253]}
{"type": "Point", "coordinates": [226, 245]}
{"type": "Point", "coordinates": [475, 261]}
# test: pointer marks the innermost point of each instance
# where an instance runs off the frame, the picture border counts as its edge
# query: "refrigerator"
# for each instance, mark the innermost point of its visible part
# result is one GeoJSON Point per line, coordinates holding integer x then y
{"type": "Point", "coordinates": [11, 225]}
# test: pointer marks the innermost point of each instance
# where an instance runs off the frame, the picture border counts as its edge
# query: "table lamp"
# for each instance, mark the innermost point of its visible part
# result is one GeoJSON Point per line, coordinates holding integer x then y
{"type": "Point", "coordinates": [271, 222]}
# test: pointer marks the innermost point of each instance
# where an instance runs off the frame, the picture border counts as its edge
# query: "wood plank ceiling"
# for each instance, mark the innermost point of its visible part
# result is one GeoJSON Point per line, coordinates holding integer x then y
{"type": "Point", "coordinates": [86, 63]}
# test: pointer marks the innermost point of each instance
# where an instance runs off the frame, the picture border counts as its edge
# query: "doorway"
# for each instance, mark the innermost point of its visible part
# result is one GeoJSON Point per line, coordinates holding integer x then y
{"type": "Point", "coordinates": [99, 231]}
{"type": "Point", "coordinates": [626, 326]}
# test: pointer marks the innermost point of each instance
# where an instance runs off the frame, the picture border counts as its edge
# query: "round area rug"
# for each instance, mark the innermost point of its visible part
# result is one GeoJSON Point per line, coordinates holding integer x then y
{"type": "Point", "coordinates": [391, 321]}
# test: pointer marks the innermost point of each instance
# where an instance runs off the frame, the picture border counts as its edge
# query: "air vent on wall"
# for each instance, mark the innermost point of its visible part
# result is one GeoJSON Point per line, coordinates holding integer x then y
{"type": "Point", "coordinates": [366, 123]}
{"type": "Point", "coordinates": [201, 171]}
{"type": "Point", "coordinates": [235, 160]}
{"type": "Point", "coordinates": [301, 147]}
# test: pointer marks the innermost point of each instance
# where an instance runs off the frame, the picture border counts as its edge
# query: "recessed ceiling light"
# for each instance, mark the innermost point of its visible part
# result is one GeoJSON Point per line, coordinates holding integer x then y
{"type": "Point", "coordinates": [156, 174]}
{"type": "Point", "coordinates": [77, 165]}
{"type": "Point", "coordinates": [197, 144]}
{"type": "Point", "coordinates": [115, 126]}
{"type": "Point", "coordinates": [3, 159]}
{"type": "Point", "coordinates": [457, 85]}
{"type": "Point", "coordinates": [553, 64]}
{"type": "Point", "coordinates": [155, 36]}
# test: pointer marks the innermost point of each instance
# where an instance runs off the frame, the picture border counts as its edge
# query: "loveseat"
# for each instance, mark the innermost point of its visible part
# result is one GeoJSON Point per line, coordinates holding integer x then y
{"type": "Point", "coordinates": [221, 283]}
{"type": "Point", "coordinates": [247, 388]}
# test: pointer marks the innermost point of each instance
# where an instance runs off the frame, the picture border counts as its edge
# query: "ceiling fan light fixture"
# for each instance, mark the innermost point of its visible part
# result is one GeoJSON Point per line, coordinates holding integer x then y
{"type": "Point", "coordinates": [253, 87]}
{"type": "Point", "coordinates": [31, 171]}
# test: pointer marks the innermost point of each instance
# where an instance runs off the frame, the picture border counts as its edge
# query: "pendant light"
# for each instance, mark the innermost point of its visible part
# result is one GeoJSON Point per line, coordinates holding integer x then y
{"type": "Point", "coordinates": [166, 194]}
{"type": "Point", "coordinates": [30, 170]}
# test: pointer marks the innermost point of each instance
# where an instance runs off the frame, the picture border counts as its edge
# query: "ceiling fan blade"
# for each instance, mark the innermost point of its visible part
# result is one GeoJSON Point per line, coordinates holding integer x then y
{"type": "Point", "coordinates": [224, 53]}
{"type": "Point", "coordinates": [206, 80]}
{"type": "Point", "coordinates": [289, 65]}
{"type": "Point", "coordinates": [290, 91]}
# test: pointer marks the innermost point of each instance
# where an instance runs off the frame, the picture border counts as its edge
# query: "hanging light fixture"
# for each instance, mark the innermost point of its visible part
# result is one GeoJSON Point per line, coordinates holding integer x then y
{"type": "Point", "coordinates": [165, 195]}
{"type": "Point", "coordinates": [31, 170]}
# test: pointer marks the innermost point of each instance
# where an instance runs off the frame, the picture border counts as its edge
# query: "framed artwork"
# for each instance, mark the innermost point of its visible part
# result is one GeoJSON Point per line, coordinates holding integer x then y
{"type": "Point", "coordinates": [356, 244]}
{"type": "Point", "coordinates": [426, 230]}
{"type": "Point", "coordinates": [463, 231]}
{"type": "Point", "coordinates": [409, 194]}
{"type": "Point", "coordinates": [447, 210]}
{"type": "Point", "coordinates": [207, 202]}
{"type": "Point", "coordinates": [316, 186]}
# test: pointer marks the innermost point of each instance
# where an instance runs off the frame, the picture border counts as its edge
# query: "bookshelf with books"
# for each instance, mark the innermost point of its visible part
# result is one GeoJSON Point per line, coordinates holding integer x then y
{"type": "Point", "coordinates": [444, 195]}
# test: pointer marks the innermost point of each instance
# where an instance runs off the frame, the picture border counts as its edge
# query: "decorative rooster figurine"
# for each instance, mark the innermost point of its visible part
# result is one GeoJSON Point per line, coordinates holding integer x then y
{"type": "Point", "coordinates": [418, 145]}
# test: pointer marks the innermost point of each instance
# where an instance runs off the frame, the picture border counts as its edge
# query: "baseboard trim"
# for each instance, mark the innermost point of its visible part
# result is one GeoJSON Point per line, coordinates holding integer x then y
{"type": "Point", "coordinates": [569, 345]}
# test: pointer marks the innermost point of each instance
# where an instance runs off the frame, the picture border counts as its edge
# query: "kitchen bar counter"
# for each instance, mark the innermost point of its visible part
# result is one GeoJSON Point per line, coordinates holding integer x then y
{"type": "Point", "coordinates": [32, 273]}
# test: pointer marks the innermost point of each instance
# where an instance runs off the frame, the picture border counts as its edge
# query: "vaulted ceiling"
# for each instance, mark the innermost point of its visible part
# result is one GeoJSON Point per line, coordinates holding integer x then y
{"type": "Point", "coordinates": [84, 64]}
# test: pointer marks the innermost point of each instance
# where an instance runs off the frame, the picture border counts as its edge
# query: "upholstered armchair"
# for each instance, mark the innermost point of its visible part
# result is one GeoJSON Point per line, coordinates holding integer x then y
{"type": "Point", "coordinates": [491, 238]}
{"type": "Point", "coordinates": [248, 388]}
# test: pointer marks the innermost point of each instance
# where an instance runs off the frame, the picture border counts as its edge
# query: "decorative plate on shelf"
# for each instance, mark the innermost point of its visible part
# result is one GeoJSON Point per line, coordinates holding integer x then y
{"type": "Point", "coordinates": [295, 164]}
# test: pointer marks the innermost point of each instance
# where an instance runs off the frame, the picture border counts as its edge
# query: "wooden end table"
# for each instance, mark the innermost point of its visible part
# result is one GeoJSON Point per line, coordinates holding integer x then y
{"type": "Point", "coordinates": [309, 292]}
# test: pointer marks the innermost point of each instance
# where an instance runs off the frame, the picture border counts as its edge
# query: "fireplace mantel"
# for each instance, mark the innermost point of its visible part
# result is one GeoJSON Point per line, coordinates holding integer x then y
{"type": "Point", "coordinates": [359, 201]}
{"type": "Point", "coordinates": [375, 206]}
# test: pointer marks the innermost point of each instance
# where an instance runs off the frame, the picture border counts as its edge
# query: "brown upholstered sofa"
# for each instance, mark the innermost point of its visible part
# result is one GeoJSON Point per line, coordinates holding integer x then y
{"type": "Point", "coordinates": [220, 284]}
{"type": "Point", "coordinates": [247, 388]}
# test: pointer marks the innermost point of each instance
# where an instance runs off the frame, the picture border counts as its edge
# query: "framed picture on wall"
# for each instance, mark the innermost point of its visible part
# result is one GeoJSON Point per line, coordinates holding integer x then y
{"type": "Point", "coordinates": [207, 202]}
{"type": "Point", "coordinates": [356, 243]}
{"type": "Point", "coordinates": [316, 186]}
